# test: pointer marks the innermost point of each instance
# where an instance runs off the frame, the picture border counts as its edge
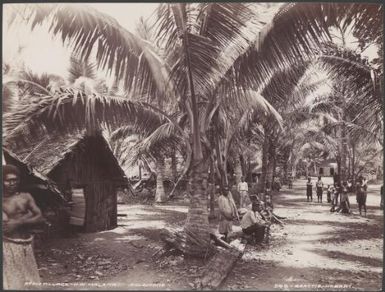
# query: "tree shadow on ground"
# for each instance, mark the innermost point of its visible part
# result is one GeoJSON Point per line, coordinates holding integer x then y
{"type": "Point", "coordinates": [368, 261]}
{"type": "Point", "coordinates": [344, 230]}
{"type": "Point", "coordinates": [257, 274]}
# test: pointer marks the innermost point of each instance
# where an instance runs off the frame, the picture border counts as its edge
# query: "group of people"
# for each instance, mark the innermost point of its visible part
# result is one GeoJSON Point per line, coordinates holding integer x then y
{"type": "Point", "coordinates": [254, 221]}
{"type": "Point", "coordinates": [338, 195]}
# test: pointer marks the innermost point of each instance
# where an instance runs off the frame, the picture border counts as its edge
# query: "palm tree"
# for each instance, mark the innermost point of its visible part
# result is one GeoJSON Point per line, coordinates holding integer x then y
{"type": "Point", "coordinates": [196, 41]}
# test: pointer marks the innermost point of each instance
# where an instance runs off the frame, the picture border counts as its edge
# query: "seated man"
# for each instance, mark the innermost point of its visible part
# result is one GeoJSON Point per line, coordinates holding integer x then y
{"type": "Point", "coordinates": [252, 223]}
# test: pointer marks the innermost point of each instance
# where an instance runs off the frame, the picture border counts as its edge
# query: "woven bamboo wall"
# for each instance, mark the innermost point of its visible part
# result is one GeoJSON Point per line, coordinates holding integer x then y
{"type": "Point", "coordinates": [89, 166]}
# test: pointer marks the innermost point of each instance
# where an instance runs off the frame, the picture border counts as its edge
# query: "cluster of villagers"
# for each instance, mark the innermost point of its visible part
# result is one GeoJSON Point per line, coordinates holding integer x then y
{"type": "Point", "coordinates": [338, 194]}
{"type": "Point", "coordinates": [255, 212]}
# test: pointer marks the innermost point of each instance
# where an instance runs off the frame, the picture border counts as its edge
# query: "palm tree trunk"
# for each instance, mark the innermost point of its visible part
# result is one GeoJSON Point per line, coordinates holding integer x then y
{"type": "Point", "coordinates": [212, 190]}
{"type": "Point", "coordinates": [339, 169]}
{"type": "Point", "coordinates": [271, 161]}
{"type": "Point", "coordinates": [160, 194]}
{"type": "Point", "coordinates": [197, 223]}
{"type": "Point", "coordinates": [140, 170]}
{"type": "Point", "coordinates": [238, 171]}
{"type": "Point", "coordinates": [174, 168]}
{"type": "Point", "coordinates": [221, 163]}
{"type": "Point", "coordinates": [265, 153]}
{"type": "Point", "coordinates": [344, 151]}
{"type": "Point", "coordinates": [294, 169]}
{"type": "Point", "coordinates": [274, 162]}
{"type": "Point", "coordinates": [285, 171]}
{"type": "Point", "coordinates": [353, 163]}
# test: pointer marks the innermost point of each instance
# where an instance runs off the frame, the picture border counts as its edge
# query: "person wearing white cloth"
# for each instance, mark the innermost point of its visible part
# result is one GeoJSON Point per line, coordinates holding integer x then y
{"type": "Point", "coordinates": [227, 212]}
{"type": "Point", "coordinates": [243, 190]}
{"type": "Point", "coordinates": [252, 223]}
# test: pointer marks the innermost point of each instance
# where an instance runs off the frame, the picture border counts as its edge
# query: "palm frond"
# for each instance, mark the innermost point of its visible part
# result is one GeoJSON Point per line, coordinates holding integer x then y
{"type": "Point", "coordinates": [296, 30]}
{"type": "Point", "coordinates": [223, 22]}
{"type": "Point", "coordinates": [117, 50]}
{"type": "Point", "coordinates": [157, 144]}
{"type": "Point", "coordinates": [80, 68]}
{"type": "Point", "coordinates": [71, 109]}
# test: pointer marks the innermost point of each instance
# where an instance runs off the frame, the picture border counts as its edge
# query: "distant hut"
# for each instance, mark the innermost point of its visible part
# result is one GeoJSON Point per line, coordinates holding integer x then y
{"type": "Point", "coordinates": [87, 173]}
{"type": "Point", "coordinates": [327, 168]}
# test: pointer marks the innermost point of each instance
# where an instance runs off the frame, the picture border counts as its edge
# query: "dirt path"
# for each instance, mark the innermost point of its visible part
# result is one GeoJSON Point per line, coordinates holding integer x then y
{"type": "Point", "coordinates": [314, 250]}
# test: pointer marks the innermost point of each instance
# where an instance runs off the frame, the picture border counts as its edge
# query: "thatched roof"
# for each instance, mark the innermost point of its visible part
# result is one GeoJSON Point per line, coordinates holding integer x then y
{"type": "Point", "coordinates": [32, 178]}
{"type": "Point", "coordinates": [46, 154]}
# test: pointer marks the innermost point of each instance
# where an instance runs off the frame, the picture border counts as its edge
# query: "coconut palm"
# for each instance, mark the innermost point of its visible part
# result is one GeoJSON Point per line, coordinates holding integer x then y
{"type": "Point", "coordinates": [212, 55]}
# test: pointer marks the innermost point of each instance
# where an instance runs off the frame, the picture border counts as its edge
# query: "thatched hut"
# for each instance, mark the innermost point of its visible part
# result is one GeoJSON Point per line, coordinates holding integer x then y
{"type": "Point", "coordinates": [87, 173]}
{"type": "Point", "coordinates": [327, 168]}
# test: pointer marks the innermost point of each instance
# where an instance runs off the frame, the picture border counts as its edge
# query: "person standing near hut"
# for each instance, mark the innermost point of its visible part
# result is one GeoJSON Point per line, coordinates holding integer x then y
{"type": "Point", "coordinates": [243, 190]}
{"type": "Point", "coordinates": [309, 190]}
{"type": "Point", "coordinates": [227, 212]}
{"type": "Point", "coordinates": [319, 186]}
{"type": "Point", "coordinates": [20, 213]}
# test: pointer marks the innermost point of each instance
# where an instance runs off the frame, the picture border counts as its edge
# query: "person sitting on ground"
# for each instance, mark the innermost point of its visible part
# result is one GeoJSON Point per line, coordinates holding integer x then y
{"type": "Point", "coordinates": [243, 190]}
{"type": "Point", "coordinates": [253, 224]}
{"type": "Point", "coordinates": [309, 190]}
{"type": "Point", "coordinates": [227, 212]}
{"type": "Point", "coordinates": [319, 186]}
{"type": "Point", "coordinates": [361, 195]}
{"type": "Point", "coordinates": [20, 215]}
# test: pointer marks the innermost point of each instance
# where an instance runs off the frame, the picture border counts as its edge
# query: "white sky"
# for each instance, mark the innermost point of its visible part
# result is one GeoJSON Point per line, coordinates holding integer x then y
{"type": "Point", "coordinates": [41, 53]}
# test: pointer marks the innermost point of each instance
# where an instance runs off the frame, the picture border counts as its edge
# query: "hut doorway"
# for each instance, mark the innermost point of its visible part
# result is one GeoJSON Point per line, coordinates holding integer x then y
{"type": "Point", "coordinates": [78, 208]}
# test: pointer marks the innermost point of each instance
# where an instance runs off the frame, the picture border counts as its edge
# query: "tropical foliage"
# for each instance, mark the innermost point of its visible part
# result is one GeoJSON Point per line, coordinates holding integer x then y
{"type": "Point", "coordinates": [209, 76]}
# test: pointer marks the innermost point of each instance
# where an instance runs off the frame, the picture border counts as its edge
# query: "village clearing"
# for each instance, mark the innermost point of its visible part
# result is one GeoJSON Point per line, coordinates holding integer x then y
{"type": "Point", "coordinates": [314, 250]}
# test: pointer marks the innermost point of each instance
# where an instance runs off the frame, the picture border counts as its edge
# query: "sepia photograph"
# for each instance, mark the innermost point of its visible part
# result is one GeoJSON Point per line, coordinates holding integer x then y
{"type": "Point", "coordinates": [193, 146]}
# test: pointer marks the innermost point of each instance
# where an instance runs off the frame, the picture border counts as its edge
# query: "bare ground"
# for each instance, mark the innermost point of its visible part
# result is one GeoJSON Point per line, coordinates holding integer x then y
{"type": "Point", "coordinates": [314, 250]}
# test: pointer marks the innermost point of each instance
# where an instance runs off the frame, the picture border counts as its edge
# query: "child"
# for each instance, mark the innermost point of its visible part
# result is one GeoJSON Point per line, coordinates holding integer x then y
{"type": "Point", "coordinates": [328, 194]}
{"type": "Point", "coordinates": [309, 190]}
{"type": "Point", "coordinates": [361, 196]}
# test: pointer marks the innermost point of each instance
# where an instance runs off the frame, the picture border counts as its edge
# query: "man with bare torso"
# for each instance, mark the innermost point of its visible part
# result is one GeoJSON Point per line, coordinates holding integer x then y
{"type": "Point", "coordinates": [20, 213]}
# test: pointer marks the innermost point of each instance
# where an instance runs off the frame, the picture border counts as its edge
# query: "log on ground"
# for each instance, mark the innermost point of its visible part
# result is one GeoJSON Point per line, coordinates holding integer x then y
{"type": "Point", "coordinates": [178, 239]}
{"type": "Point", "coordinates": [219, 267]}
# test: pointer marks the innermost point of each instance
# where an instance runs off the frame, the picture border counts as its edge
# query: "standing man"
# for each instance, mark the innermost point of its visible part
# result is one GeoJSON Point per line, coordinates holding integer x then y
{"type": "Point", "coordinates": [309, 189]}
{"type": "Point", "coordinates": [243, 190]}
{"type": "Point", "coordinates": [20, 213]}
{"type": "Point", "coordinates": [227, 212]}
{"type": "Point", "coordinates": [361, 195]}
{"type": "Point", "coordinates": [319, 186]}
{"type": "Point", "coordinates": [276, 186]}
{"type": "Point", "coordinates": [290, 182]}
